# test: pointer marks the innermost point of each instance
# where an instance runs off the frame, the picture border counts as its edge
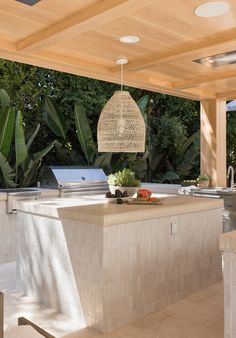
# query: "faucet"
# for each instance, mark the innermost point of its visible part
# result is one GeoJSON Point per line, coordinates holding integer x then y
{"type": "Point", "coordinates": [231, 169]}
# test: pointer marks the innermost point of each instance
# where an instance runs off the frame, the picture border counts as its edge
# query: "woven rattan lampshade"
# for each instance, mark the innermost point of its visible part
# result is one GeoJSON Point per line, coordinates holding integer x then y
{"type": "Point", "coordinates": [121, 127]}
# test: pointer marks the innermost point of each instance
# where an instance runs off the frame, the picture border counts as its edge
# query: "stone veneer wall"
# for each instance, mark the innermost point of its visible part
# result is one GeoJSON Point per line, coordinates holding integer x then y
{"type": "Point", "coordinates": [230, 294]}
{"type": "Point", "coordinates": [7, 235]}
{"type": "Point", "coordinates": [147, 268]}
{"type": "Point", "coordinates": [109, 276]}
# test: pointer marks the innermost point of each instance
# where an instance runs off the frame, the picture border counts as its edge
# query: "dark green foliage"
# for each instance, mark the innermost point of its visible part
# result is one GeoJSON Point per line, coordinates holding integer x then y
{"type": "Point", "coordinates": [170, 122]}
{"type": "Point", "coordinates": [18, 167]}
{"type": "Point", "coordinates": [231, 137]}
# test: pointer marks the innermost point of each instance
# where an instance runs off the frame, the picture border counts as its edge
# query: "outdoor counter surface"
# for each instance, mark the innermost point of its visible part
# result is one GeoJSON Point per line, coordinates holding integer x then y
{"type": "Point", "coordinates": [95, 210]}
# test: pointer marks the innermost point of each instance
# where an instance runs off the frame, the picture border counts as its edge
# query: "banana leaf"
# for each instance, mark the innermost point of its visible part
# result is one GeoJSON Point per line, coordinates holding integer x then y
{"type": "Point", "coordinates": [7, 172]}
{"type": "Point", "coordinates": [30, 174]}
{"type": "Point", "coordinates": [7, 123]}
{"type": "Point", "coordinates": [4, 99]}
{"type": "Point", "coordinates": [20, 146]}
{"type": "Point", "coordinates": [104, 160]}
{"type": "Point", "coordinates": [32, 137]}
{"type": "Point", "coordinates": [155, 158]}
{"type": "Point", "coordinates": [67, 156]}
{"type": "Point", "coordinates": [84, 133]}
{"type": "Point", "coordinates": [169, 176]}
{"type": "Point", "coordinates": [53, 118]}
{"type": "Point", "coordinates": [143, 104]}
{"type": "Point", "coordinates": [140, 167]}
{"type": "Point", "coordinates": [193, 139]}
{"type": "Point", "coordinates": [39, 155]}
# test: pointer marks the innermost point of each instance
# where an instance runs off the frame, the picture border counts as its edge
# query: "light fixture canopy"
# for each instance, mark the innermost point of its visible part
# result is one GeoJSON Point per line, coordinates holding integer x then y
{"type": "Point", "coordinates": [212, 9]}
{"type": "Point", "coordinates": [122, 61]}
{"type": "Point", "coordinates": [121, 127]}
{"type": "Point", "coordinates": [129, 39]}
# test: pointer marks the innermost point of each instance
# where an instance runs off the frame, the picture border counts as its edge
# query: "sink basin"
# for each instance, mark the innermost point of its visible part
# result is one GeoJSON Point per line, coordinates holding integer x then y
{"type": "Point", "coordinates": [14, 190]}
{"type": "Point", "coordinates": [226, 190]}
{"type": "Point", "coordinates": [218, 191]}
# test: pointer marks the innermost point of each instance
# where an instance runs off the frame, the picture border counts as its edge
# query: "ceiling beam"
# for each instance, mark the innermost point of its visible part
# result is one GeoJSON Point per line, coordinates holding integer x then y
{"type": "Point", "coordinates": [229, 95]}
{"type": "Point", "coordinates": [79, 67]}
{"type": "Point", "coordinates": [196, 81]}
{"type": "Point", "coordinates": [153, 83]}
{"type": "Point", "coordinates": [94, 16]}
{"type": "Point", "coordinates": [181, 51]}
{"type": "Point", "coordinates": [74, 65]}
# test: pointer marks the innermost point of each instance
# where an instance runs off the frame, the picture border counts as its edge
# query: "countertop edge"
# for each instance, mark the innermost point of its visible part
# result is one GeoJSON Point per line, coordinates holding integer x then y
{"type": "Point", "coordinates": [228, 242]}
{"type": "Point", "coordinates": [109, 214]}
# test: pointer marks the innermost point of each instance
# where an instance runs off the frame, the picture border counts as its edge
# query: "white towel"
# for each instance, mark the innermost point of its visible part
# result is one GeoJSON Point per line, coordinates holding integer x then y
{"type": "Point", "coordinates": [186, 190]}
{"type": "Point", "coordinates": [24, 331]}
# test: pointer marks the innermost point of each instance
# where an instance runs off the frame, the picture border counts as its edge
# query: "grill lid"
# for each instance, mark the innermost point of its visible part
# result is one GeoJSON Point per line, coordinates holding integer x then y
{"type": "Point", "coordinates": [73, 177]}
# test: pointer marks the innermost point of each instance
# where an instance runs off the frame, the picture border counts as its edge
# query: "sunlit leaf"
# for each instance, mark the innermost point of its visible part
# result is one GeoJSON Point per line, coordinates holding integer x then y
{"type": "Point", "coordinates": [20, 146]}
{"type": "Point", "coordinates": [84, 133]}
{"type": "Point", "coordinates": [53, 118]}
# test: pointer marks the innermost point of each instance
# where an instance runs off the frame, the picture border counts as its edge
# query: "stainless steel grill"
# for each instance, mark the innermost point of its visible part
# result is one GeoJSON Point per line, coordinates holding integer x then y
{"type": "Point", "coordinates": [74, 179]}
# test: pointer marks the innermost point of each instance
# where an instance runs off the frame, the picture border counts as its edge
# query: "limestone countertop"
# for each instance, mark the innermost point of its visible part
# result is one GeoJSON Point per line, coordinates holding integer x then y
{"type": "Point", "coordinates": [45, 193]}
{"type": "Point", "coordinates": [94, 209]}
{"type": "Point", "coordinates": [228, 242]}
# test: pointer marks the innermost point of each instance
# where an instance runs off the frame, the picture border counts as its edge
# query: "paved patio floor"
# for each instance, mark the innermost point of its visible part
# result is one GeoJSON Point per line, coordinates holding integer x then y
{"type": "Point", "coordinates": [197, 316]}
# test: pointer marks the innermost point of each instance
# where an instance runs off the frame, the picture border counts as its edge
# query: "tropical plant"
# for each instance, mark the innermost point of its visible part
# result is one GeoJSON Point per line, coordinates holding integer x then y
{"type": "Point", "coordinates": [7, 117]}
{"type": "Point", "coordinates": [26, 164]}
{"type": "Point", "coordinates": [18, 167]}
{"type": "Point", "coordinates": [84, 134]}
{"type": "Point", "coordinates": [61, 129]}
{"type": "Point", "coordinates": [170, 155]}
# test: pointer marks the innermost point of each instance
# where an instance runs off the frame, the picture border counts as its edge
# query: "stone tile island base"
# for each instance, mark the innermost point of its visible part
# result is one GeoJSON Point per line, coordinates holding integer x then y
{"type": "Point", "coordinates": [123, 262]}
{"type": "Point", "coordinates": [228, 246]}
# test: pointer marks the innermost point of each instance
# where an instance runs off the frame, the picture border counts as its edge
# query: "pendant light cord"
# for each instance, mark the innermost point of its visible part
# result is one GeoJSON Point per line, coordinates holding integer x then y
{"type": "Point", "coordinates": [121, 87]}
{"type": "Point", "coordinates": [122, 76]}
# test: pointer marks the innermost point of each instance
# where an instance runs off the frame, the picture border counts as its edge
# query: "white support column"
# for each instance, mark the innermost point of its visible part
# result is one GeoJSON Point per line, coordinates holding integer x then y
{"type": "Point", "coordinates": [213, 140]}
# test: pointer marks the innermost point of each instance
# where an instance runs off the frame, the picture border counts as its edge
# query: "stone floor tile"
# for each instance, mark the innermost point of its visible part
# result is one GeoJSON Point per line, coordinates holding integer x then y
{"type": "Point", "coordinates": [200, 315]}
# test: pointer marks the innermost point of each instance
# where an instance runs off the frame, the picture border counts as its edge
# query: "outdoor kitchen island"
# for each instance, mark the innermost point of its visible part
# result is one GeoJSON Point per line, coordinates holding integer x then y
{"type": "Point", "coordinates": [106, 264]}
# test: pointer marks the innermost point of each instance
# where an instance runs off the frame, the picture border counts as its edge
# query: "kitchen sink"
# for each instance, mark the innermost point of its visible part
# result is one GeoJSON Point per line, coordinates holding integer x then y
{"type": "Point", "coordinates": [16, 190]}
{"type": "Point", "coordinates": [226, 190]}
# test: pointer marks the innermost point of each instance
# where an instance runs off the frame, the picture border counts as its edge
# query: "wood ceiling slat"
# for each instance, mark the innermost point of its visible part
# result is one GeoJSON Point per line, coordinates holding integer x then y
{"type": "Point", "coordinates": [45, 12]}
{"type": "Point", "coordinates": [82, 37]}
{"type": "Point", "coordinates": [82, 21]}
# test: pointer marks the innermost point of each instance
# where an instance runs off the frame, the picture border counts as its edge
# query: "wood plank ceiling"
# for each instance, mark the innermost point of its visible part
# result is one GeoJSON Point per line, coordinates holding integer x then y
{"type": "Point", "coordinates": [82, 37]}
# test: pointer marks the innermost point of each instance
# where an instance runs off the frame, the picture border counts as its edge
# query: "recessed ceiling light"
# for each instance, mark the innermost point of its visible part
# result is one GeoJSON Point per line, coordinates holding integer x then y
{"type": "Point", "coordinates": [29, 2]}
{"type": "Point", "coordinates": [129, 39]}
{"type": "Point", "coordinates": [212, 9]}
{"type": "Point", "coordinates": [122, 61]}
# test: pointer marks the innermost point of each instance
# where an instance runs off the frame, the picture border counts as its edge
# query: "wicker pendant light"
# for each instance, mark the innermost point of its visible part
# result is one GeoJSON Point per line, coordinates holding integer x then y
{"type": "Point", "coordinates": [121, 127]}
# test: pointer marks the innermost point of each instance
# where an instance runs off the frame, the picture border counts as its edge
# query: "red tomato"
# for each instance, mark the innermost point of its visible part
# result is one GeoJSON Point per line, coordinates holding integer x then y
{"type": "Point", "coordinates": [144, 194]}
